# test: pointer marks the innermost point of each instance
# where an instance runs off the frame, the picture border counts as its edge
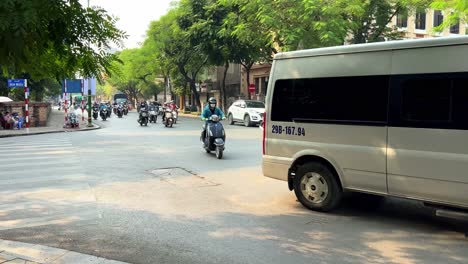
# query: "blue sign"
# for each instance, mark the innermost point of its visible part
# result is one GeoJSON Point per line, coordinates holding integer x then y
{"type": "Point", "coordinates": [16, 83]}
{"type": "Point", "coordinates": [73, 86]}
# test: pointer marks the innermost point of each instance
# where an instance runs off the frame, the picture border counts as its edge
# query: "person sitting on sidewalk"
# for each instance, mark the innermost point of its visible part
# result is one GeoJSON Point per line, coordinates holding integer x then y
{"type": "Point", "coordinates": [9, 121]}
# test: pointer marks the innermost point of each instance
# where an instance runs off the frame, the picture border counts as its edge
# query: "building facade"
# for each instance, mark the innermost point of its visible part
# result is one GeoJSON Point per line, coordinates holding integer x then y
{"type": "Point", "coordinates": [421, 24]}
{"type": "Point", "coordinates": [213, 81]}
{"type": "Point", "coordinates": [259, 75]}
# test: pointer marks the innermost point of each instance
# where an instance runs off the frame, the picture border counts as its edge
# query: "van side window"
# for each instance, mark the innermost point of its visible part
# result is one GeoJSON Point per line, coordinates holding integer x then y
{"type": "Point", "coordinates": [436, 100]}
{"type": "Point", "coordinates": [460, 102]}
{"type": "Point", "coordinates": [426, 100]}
{"type": "Point", "coordinates": [361, 99]}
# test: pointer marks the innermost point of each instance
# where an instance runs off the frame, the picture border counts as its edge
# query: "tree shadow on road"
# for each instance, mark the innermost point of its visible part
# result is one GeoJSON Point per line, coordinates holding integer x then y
{"type": "Point", "coordinates": [154, 221]}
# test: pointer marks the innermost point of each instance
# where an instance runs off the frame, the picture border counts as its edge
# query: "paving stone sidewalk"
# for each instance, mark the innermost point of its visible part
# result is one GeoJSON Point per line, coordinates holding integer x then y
{"type": "Point", "coordinates": [12, 252]}
{"type": "Point", "coordinates": [54, 125]}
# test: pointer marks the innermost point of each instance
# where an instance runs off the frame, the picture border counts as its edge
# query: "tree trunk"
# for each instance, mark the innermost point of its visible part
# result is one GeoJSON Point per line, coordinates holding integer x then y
{"type": "Point", "coordinates": [165, 88]}
{"type": "Point", "coordinates": [182, 102]}
{"type": "Point", "coordinates": [248, 68]}
{"type": "Point", "coordinates": [193, 88]}
{"type": "Point", "coordinates": [223, 86]}
{"type": "Point", "coordinates": [170, 88]}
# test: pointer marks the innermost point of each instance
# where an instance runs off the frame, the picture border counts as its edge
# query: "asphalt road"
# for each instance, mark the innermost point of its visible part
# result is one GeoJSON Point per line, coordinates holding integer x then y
{"type": "Point", "coordinates": [152, 195]}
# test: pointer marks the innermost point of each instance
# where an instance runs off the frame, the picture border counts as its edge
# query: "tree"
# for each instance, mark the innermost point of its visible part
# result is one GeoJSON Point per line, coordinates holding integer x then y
{"type": "Point", "coordinates": [135, 75]}
{"type": "Point", "coordinates": [457, 11]}
{"type": "Point", "coordinates": [253, 43]}
{"type": "Point", "coordinates": [44, 87]}
{"type": "Point", "coordinates": [302, 24]}
{"type": "Point", "coordinates": [162, 66]}
{"type": "Point", "coordinates": [369, 20]}
{"type": "Point", "coordinates": [204, 32]}
{"type": "Point", "coordinates": [3, 85]}
{"type": "Point", "coordinates": [105, 90]}
{"type": "Point", "coordinates": [55, 38]}
{"type": "Point", "coordinates": [175, 47]}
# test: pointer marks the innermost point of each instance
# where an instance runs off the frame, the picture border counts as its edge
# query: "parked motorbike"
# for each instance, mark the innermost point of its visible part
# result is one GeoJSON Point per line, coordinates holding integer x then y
{"type": "Point", "coordinates": [73, 120]}
{"type": "Point", "coordinates": [214, 137]}
{"type": "Point", "coordinates": [104, 113]}
{"type": "Point", "coordinates": [120, 111]}
{"type": "Point", "coordinates": [143, 120]}
{"type": "Point", "coordinates": [153, 114]}
{"type": "Point", "coordinates": [95, 112]}
{"type": "Point", "coordinates": [169, 118]}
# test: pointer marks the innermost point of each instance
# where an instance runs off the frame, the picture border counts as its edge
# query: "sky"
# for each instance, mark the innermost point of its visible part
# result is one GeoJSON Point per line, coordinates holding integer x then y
{"type": "Point", "coordinates": [134, 15]}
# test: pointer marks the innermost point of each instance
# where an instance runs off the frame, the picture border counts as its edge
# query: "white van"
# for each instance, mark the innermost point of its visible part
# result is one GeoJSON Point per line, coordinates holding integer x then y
{"type": "Point", "coordinates": [385, 118]}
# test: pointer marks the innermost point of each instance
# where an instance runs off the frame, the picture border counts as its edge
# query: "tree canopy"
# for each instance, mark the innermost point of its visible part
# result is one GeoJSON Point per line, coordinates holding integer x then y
{"type": "Point", "coordinates": [197, 34]}
{"type": "Point", "coordinates": [56, 38]}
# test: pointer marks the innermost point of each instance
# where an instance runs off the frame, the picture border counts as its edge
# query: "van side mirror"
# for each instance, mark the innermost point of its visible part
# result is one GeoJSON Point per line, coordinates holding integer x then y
{"type": "Point", "coordinates": [243, 105]}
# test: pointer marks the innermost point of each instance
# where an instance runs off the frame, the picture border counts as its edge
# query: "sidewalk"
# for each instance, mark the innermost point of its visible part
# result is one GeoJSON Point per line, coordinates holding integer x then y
{"type": "Point", "coordinates": [54, 125]}
{"type": "Point", "coordinates": [12, 252]}
{"type": "Point", "coordinates": [189, 115]}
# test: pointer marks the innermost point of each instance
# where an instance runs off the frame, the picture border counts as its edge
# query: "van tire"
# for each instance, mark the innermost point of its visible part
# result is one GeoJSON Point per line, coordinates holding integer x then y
{"type": "Point", "coordinates": [230, 119]}
{"type": "Point", "coordinates": [334, 192]}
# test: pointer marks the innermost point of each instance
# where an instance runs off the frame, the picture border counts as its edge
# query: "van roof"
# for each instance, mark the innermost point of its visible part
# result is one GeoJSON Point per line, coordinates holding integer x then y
{"type": "Point", "coordinates": [378, 46]}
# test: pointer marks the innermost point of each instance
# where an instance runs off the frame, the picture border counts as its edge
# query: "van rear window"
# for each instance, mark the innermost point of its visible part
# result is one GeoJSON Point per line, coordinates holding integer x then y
{"type": "Point", "coordinates": [331, 100]}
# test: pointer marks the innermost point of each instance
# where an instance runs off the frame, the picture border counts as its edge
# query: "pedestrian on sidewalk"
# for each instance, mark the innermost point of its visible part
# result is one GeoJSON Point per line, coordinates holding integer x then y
{"type": "Point", "coordinates": [9, 121]}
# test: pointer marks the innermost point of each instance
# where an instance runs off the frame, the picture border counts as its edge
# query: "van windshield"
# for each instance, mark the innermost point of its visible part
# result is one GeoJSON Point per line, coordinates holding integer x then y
{"type": "Point", "coordinates": [254, 104]}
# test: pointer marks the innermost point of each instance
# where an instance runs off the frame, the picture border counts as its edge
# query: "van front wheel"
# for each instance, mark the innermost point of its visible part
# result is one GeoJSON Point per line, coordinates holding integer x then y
{"type": "Point", "coordinates": [316, 187]}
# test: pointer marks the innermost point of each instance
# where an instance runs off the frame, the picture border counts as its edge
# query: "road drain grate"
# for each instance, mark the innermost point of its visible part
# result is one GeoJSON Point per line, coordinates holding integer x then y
{"type": "Point", "coordinates": [181, 177]}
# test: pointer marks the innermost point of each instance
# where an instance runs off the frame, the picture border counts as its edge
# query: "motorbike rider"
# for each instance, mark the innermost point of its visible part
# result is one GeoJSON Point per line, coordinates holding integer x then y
{"type": "Point", "coordinates": [114, 106]}
{"type": "Point", "coordinates": [142, 105]}
{"type": "Point", "coordinates": [153, 107]}
{"type": "Point", "coordinates": [172, 106]}
{"type": "Point", "coordinates": [165, 105]}
{"type": "Point", "coordinates": [210, 109]}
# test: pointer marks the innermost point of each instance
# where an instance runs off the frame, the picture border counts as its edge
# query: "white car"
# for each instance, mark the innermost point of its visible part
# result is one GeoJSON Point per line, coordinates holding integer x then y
{"type": "Point", "coordinates": [247, 111]}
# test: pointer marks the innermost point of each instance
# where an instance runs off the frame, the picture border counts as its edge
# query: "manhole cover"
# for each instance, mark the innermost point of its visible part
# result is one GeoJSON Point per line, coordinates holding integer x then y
{"type": "Point", "coordinates": [182, 178]}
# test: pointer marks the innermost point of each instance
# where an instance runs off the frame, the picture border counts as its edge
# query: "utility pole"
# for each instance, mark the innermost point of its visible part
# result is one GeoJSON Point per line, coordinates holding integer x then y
{"type": "Point", "coordinates": [90, 124]}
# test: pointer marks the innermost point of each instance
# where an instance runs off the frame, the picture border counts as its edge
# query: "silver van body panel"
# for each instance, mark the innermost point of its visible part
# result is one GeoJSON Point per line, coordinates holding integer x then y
{"type": "Point", "coordinates": [418, 163]}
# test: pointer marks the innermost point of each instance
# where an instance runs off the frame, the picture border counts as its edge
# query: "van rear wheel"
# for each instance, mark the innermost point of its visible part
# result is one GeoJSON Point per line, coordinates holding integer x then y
{"type": "Point", "coordinates": [316, 187]}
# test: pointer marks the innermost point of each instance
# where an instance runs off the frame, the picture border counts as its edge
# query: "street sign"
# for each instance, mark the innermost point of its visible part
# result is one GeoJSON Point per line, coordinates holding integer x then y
{"type": "Point", "coordinates": [252, 88]}
{"type": "Point", "coordinates": [73, 86]}
{"type": "Point", "coordinates": [17, 83]}
{"type": "Point", "coordinates": [92, 84]}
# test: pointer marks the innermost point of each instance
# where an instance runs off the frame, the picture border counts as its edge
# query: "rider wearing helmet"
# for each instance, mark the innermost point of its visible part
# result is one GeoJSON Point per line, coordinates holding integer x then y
{"type": "Point", "coordinates": [144, 106]}
{"type": "Point", "coordinates": [210, 110]}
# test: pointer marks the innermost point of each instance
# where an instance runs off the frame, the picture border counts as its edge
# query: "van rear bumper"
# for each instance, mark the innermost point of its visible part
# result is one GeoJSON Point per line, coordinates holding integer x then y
{"type": "Point", "coordinates": [276, 167]}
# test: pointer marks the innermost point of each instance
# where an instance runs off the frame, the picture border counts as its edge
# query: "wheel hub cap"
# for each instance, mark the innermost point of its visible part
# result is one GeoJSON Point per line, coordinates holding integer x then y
{"type": "Point", "coordinates": [314, 187]}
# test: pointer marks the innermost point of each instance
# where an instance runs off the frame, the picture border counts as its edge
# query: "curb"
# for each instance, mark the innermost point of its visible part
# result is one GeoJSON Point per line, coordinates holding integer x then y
{"type": "Point", "coordinates": [189, 115]}
{"type": "Point", "coordinates": [51, 132]}
{"type": "Point", "coordinates": [19, 252]}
